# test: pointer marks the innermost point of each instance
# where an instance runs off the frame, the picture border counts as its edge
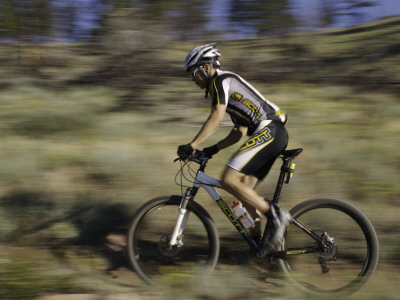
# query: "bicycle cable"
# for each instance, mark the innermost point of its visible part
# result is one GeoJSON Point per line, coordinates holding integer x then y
{"type": "Point", "coordinates": [181, 174]}
{"type": "Point", "coordinates": [190, 178]}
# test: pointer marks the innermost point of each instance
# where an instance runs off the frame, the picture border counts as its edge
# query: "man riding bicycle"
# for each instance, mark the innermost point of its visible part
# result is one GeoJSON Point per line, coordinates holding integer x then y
{"type": "Point", "coordinates": [252, 115]}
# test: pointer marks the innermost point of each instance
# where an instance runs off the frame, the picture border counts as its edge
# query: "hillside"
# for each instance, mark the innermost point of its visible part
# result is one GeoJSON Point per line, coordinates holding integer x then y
{"type": "Point", "coordinates": [89, 132]}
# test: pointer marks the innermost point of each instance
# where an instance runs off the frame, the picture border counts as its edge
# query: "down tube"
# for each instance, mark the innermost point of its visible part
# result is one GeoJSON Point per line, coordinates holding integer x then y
{"type": "Point", "coordinates": [228, 213]}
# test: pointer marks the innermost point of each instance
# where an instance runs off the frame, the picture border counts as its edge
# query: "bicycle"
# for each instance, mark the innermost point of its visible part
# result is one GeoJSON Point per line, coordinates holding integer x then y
{"type": "Point", "coordinates": [329, 247]}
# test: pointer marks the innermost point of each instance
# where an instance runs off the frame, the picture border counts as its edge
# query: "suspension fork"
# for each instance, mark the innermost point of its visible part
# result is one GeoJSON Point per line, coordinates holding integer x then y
{"type": "Point", "coordinates": [182, 217]}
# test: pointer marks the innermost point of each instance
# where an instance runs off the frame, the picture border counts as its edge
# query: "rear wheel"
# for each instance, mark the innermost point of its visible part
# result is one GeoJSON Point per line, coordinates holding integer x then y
{"type": "Point", "coordinates": [150, 232]}
{"type": "Point", "coordinates": [351, 247]}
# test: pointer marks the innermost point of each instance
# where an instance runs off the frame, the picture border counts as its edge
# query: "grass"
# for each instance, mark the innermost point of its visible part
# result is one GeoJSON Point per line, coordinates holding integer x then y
{"type": "Point", "coordinates": [22, 279]}
{"type": "Point", "coordinates": [76, 160]}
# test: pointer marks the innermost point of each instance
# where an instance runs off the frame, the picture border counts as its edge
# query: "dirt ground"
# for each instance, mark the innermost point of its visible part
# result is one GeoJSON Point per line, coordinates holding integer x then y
{"type": "Point", "coordinates": [229, 281]}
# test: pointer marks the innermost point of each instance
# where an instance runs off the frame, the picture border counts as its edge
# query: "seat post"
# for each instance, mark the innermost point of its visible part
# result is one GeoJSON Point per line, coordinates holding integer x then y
{"type": "Point", "coordinates": [279, 185]}
{"type": "Point", "coordinates": [287, 157]}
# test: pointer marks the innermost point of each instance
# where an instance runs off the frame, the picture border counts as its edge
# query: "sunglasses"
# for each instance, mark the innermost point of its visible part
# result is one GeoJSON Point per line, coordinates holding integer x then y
{"type": "Point", "coordinates": [193, 72]}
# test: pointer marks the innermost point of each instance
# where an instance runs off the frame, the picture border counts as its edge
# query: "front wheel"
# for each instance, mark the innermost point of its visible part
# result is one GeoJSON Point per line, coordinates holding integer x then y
{"type": "Point", "coordinates": [350, 252]}
{"type": "Point", "coordinates": [149, 234]}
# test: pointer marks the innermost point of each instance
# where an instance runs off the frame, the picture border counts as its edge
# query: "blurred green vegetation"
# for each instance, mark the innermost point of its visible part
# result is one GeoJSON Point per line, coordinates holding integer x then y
{"type": "Point", "coordinates": [89, 133]}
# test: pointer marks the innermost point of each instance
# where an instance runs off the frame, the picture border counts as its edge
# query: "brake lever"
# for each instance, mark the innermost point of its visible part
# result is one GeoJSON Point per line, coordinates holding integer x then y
{"type": "Point", "coordinates": [197, 157]}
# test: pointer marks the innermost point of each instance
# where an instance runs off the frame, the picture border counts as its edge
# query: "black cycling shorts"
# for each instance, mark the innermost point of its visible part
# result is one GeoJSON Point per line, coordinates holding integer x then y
{"type": "Point", "coordinates": [257, 155]}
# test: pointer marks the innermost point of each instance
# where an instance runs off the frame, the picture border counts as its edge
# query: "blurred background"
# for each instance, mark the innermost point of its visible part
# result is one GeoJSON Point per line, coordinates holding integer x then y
{"type": "Point", "coordinates": [94, 102]}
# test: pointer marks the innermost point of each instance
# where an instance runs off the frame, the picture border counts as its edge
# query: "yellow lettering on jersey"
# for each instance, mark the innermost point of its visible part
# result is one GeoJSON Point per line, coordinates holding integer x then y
{"type": "Point", "coordinates": [236, 96]}
{"type": "Point", "coordinates": [252, 107]}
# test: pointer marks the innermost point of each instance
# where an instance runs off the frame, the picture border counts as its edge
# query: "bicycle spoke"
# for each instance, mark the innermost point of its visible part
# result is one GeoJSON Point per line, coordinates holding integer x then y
{"type": "Point", "coordinates": [153, 257]}
{"type": "Point", "coordinates": [346, 259]}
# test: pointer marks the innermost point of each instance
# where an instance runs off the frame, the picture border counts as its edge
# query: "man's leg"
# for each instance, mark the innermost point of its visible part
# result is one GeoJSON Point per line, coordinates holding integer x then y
{"type": "Point", "coordinates": [235, 183]}
{"type": "Point", "coordinates": [255, 231]}
{"type": "Point", "coordinates": [242, 186]}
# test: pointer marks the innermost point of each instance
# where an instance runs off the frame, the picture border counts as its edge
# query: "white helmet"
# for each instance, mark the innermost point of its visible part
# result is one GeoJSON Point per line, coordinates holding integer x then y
{"type": "Point", "coordinates": [201, 55]}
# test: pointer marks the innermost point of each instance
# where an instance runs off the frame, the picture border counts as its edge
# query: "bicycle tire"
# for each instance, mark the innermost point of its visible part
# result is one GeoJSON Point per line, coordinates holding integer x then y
{"type": "Point", "coordinates": [150, 228]}
{"type": "Point", "coordinates": [357, 248]}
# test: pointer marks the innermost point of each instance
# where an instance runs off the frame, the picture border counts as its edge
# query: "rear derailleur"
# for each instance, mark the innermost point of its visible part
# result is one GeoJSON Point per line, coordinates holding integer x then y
{"type": "Point", "coordinates": [328, 252]}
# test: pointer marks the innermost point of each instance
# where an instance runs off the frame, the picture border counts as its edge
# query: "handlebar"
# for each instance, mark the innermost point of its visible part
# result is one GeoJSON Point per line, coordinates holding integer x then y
{"type": "Point", "coordinates": [198, 157]}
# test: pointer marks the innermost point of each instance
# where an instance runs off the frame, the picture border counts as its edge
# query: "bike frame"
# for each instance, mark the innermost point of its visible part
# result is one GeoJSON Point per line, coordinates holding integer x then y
{"type": "Point", "coordinates": [202, 180]}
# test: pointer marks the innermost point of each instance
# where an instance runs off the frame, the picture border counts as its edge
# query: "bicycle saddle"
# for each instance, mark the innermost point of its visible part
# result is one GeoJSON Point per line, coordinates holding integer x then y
{"type": "Point", "coordinates": [291, 153]}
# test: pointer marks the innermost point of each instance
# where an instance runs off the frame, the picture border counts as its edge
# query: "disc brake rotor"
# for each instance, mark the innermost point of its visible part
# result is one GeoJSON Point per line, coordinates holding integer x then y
{"type": "Point", "coordinates": [165, 248]}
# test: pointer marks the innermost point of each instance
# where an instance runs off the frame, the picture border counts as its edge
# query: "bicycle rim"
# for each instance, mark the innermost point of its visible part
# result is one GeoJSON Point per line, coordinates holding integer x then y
{"type": "Point", "coordinates": [150, 231]}
{"type": "Point", "coordinates": [348, 264]}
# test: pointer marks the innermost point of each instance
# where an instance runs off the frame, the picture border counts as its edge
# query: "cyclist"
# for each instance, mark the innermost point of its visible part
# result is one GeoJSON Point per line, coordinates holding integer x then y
{"type": "Point", "coordinates": [252, 115]}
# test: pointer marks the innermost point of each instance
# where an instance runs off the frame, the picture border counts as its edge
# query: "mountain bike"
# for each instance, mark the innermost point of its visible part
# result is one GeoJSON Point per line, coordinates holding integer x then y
{"type": "Point", "coordinates": [329, 247]}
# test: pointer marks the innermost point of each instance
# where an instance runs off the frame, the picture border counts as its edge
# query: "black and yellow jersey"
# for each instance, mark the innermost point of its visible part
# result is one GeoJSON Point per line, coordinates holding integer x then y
{"type": "Point", "coordinates": [245, 105]}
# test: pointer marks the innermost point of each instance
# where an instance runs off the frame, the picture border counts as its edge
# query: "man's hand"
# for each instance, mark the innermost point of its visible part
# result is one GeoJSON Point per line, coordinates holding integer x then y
{"type": "Point", "coordinates": [185, 151]}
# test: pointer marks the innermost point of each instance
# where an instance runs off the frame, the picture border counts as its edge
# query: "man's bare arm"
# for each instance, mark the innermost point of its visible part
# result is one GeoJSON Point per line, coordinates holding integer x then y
{"type": "Point", "coordinates": [211, 125]}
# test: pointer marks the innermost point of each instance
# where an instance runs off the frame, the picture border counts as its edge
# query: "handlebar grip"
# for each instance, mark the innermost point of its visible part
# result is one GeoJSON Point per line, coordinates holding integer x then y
{"type": "Point", "coordinates": [197, 157]}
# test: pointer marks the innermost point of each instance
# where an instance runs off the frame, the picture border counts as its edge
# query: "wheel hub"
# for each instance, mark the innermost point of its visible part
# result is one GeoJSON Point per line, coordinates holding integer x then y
{"type": "Point", "coordinates": [165, 248]}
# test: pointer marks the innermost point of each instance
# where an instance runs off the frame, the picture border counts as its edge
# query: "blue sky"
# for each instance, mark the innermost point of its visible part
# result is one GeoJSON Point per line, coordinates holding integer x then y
{"type": "Point", "coordinates": [305, 11]}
